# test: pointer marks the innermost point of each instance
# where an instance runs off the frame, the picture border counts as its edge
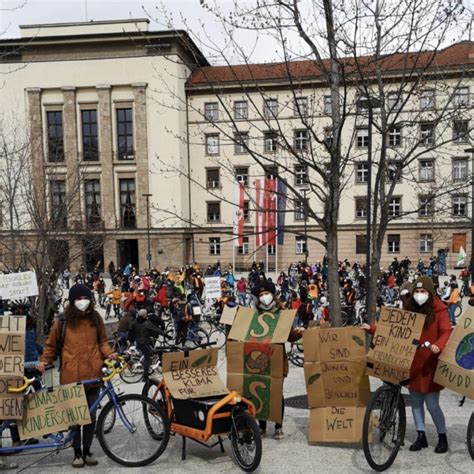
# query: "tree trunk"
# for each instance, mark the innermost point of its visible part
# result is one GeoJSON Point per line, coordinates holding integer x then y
{"type": "Point", "coordinates": [333, 278]}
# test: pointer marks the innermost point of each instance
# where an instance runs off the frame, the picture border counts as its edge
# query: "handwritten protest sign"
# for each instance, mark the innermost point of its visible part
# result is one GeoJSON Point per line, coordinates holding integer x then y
{"type": "Point", "coordinates": [213, 287]}
{"type": "Point", "coordinates": [12, 346]}
{"type": "Point", "coordinates": [336, 383]}
{"type": "Point", "coordinates": [455, 368]}
{"type": "Point", "coordinates": [18, 285]}
{"type": "Point", "coordinates": [193, 374]}
{"type": "Point", "coordinates": [50, 411]}
{"type": "Point", "coordinates": [11, 404]}
{"type": "Point", "coordinates": [256, 371]}
{"type": "Point", "coordinates": [394, 344]}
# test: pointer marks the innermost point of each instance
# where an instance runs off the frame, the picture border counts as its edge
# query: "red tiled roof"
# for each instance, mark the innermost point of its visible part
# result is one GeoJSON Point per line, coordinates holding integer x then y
{"type": "Point", "coordinates": [456, 55]}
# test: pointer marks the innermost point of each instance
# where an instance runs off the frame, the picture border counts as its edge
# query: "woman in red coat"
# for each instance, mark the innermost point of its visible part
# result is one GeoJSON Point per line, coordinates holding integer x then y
{"type": "Point", "coordinates": [423, 390]}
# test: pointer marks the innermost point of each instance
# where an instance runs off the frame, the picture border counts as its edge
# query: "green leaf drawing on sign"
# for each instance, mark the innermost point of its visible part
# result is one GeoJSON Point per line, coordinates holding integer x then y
{"type": "Point", "coordinates": [358, 340]}
{"type": "Point", "coordinates": [200, 361]}
{"type": "Point", "coordinates": [313, 378]}
{"type": "Point", "coordinates": [209, 359]}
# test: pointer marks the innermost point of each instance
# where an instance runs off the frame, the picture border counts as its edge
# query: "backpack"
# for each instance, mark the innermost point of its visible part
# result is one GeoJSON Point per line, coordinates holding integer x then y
{"type": "Point", "coordinates": [62, 334]}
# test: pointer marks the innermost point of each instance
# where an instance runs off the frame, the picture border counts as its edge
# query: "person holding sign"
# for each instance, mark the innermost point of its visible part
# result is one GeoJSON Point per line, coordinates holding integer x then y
{"type": "Point", "coordinates": [423, 389]}
{"type": "Point", "coordinates": [78, 338]}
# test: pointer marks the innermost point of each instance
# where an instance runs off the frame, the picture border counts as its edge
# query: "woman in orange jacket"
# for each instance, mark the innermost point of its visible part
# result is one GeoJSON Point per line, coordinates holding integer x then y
{"type": "Point", "coordinates": [453, 302]}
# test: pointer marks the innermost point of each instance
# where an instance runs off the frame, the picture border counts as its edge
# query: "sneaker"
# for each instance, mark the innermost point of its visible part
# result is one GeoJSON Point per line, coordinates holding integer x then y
{"type": "Point", "coordinates": [78, 462]}
{"type": "Point", "coordinates": [278, 434]}
{"type": "Point", "coordinates": [6, 466]}
{"type": "Point", "coordinates": [90, 460]}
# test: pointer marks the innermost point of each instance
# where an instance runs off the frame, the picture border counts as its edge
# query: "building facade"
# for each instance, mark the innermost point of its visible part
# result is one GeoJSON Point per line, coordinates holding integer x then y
{"type": "Point", "coordinates": [137, 143]}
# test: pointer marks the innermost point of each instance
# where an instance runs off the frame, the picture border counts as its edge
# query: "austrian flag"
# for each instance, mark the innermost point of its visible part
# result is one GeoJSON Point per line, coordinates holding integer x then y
{"type": "Point", "coordinates": [239, 214]}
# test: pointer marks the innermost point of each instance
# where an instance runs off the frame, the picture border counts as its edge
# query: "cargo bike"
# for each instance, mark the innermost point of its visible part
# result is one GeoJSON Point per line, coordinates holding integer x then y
{"type": "Point", "coordinates": [209, 420]}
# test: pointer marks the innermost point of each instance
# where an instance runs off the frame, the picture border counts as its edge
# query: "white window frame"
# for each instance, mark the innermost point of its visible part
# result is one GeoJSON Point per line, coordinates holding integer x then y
{"type": "Point", "coordinates": [241, 141]}
{"type": "Point", "coordinates": [362, 137]}
{"type": "Point", "coordinates": [214, 245]}
{"type": "Point", "coordinates": [395, 207]}
{"type": "Point", "coordinates": [301, 175]}
{"type": "Point", "coordinates": [422, 170]}
{"type": "Point", "coordinates": [242, 177]}
{"type": "Point", "coordinates": [270, 108]}
{"type": "Point", "coordinates": [394, 101]}
{"type": "Point", "coordinates": [299, 210]}
{"type": "Point", "coordinates": [360, 213]}
{"type": "Point", "coordinates": [427, 133]}
{"type": "Point", "coordinates": [327, 105]}
{"type": "Point", "coordinates": [425, 206]}
{"type": "Point", "coordinates": [459, 172]}
{"type": "Point", "coordinates": [300, 107]}
{"type": "Point", "coordinates": [459, 201]}
{"type": "Point", "coordinates": [300, 246]}
{"type": "Point", "coordinates": [426, 243]}
{"type": "Point", "coordinates": [270, 142]}
{"type": "Point", "coordinates": [241, 110]}
{"type": "Point", "coordinates": [244, 249]}
{"type": "Point", "coordinates": [213, 184]}
{"type": "Point", "coordinates": [461, 96]}
{"type": "Point", "coordinates": [301, 140]}
{"type": "Point", "coordinates": [462, 137]}
{"type": "Point", "coordinates": [395, 136]}
{"type": "Point", "coordinates": [213, 217]}
{"type": "Point", "coordinates": [212, 144]}
{"type": "Point", "coordinates": [211, 111]}
{"type": "Point", "coordinates": [362, 171]}
{"type": "Point", "coordinates": [391, 244]}
{"type": "Point", "coordinates": [427, 99]}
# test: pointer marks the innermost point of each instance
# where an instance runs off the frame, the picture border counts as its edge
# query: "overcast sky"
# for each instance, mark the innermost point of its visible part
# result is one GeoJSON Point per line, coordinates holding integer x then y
{"type": "Point", "coordinates": [20, 12]}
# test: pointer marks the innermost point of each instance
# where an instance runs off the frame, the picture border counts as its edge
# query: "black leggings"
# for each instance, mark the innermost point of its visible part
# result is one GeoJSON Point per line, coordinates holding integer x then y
{"type": "Point", "coordinates": [92, 395]}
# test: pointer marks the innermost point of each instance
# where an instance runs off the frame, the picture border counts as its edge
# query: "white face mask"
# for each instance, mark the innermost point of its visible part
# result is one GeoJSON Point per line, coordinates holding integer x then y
{"type": "Point", "coordinates": [266, 299]}
{"type": "Point", "coordinates": [421, 298]}
{"type": "Point", "coordinates": [82, 305]}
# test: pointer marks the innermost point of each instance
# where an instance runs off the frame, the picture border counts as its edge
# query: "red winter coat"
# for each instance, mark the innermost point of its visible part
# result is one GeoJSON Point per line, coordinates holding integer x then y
{"type": "Point", "coordinates": [423, 368]}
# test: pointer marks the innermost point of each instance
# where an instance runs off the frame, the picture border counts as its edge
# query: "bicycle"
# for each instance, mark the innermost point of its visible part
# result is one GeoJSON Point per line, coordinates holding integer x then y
{"type": "Point", "coordinates": [295, 354]}
{"type": "Point", "coordinates": [470, 431]}
{"type": "Point", "coordinates": [384, 424]}
{"type": "Point", "coordinates": [149, 436]}
{"type": "Point", "coordinates": [231, 415]}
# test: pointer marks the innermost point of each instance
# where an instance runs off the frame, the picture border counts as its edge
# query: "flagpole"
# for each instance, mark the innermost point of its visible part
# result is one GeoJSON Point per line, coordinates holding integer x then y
{"type": "Point", "coordinates": [233, 257]}
{"type": "Point", "coordinates": [276, 253]}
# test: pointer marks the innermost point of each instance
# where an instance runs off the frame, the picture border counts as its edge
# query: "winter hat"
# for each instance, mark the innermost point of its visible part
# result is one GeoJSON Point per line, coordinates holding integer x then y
{"type": "Point", "coordinates": [77, 291]}
{"type": "Point", "coordinates": [267, 285]}
{"type": "Point", "coordinates": [426, 283]}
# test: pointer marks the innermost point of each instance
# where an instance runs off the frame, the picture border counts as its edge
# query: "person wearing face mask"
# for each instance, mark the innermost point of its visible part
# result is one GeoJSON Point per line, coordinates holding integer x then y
{"type": "Point", "coordinates": [423, 389]}
{"type": "Point", "coordinates": [78, 338]}
{"type": "Point", "coordinates": [267, 302]}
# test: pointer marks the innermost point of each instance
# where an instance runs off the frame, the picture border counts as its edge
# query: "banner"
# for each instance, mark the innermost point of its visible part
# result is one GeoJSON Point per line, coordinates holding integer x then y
{"type": "Point", "coordinates": [50, 411]}
{"type": "Point", "coordinates": [239, 196]}
{"type": "Point", "coordinates": [255, 370]}
{"type": "Point", "coordinates": [213, 287]}
{"type": "Point", "coordinates": [281, 205]}
{"type": "Point", "coordinates": [337, 386]}
{"type": "Point", "coordinates": [259, 214]}
{"type": "Point", "coordinates": [270, 204]}
{"type": "Point", "coordinates": [461, 256]}
{"type": "Point", "coordinates": [267, 327]}
{"type": "Point", "coordinates": [11, 404]}
{"type": "Point", "coordinates": [12, 346]}
{"type": "Point", "coordinates": [455, 368]}
{"type": "Point", "coordinates": [394, 344]}
{"type": "Point", "coordinates": [18, 285]}
{"type": "Point", "coordinates": [193, 374]}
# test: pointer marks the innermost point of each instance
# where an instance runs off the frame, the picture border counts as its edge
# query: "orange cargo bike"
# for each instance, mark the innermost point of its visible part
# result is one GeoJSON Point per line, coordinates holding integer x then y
{"type": "Point", "coordinates": [207, 418]}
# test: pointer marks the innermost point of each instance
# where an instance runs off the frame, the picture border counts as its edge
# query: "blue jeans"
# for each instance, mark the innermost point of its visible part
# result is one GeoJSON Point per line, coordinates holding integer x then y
{"type": "Point", "coordinates": [241, 298]}
{"type": "Point", "coordinates": [451, 309]}
{"type": "Point", "coordinates": [432, 403]}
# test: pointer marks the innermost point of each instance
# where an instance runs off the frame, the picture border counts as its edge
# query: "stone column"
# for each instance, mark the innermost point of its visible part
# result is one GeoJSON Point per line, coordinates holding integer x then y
{"type": "Point", "coordinates": [141, 152]}
{"type": "Point", "coordinates": [73, 178]}
{"type": "Point", "coordinates": [107, 182]}
{"type": "Point", "coordinates": [37, 152]}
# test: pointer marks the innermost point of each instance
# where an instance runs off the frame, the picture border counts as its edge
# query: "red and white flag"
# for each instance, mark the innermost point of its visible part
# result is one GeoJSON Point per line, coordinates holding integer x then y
{"type": "Point", "coordinates": [270, 211]}
{"type": "Point", "coordinates": [239, 195]}
{"type": "Point", "coordinates": [259, 213]}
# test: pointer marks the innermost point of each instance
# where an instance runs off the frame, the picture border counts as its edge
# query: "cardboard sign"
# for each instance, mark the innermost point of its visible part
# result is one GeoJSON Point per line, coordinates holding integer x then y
{"type": "Point", "coordinates": [228, 315]}
{"type": "Point", "coordinates": [50, 411]}
{"type": "Point", "coordinates": [12, 346]}
{"type": "Point", "coordinates": [11, 404]}
{"type": "Point", "coordinates": [193, 374]}
{"type": "Point", "coordinates": [394, 344]}
{"type": "Point", "coordinates": [18, 285]}
{"type": "Point", "coordinates": [336, 424]}
{"type": "Point", "coordinates": [267, 327]}
{"type": "Point", "coordinates": [455, 368]}
{"type": "Point", "coordinates": [256, 371]}
{"type": "Point", "coordinates": [213, 287]}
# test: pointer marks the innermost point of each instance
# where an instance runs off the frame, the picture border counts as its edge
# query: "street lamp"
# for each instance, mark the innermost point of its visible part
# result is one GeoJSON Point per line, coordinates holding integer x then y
{"type": "Point", "coordinates": [305, 210]}
{"type": "Point", "coordinates": [148, 255]}
{"type": "Point", "coordinates": [369, 103]}
{"type": "Point", "coordinates": [471, 151]}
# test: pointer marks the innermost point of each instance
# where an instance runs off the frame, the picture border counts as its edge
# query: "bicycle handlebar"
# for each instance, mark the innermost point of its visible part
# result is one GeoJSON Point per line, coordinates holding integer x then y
{"type": "Point", "coordinates": [116, 366]}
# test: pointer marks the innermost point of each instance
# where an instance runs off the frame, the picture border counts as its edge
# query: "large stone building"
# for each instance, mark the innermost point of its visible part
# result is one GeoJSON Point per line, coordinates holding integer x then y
{"type": "Point", "coordinates": [126, 123]}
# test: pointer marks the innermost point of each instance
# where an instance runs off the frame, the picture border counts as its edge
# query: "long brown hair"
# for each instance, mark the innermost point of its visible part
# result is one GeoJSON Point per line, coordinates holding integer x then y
{"type": "Point", "coordinates": [427, 309]}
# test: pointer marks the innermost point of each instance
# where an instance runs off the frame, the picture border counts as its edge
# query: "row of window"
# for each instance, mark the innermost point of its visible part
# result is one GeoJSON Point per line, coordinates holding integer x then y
{"type": "Point", "coordinates": [90, 140]}
{"type": "Point", "coordinates": [427, 101]}
{"type": "Point", "coordinates": [301, 138]}
{"type": "Point", "coordinates": [92, 196]}
{"type": "Point", "coordinates": [426, 173]}
{"type": "Point", "coordinates": [393, 245]}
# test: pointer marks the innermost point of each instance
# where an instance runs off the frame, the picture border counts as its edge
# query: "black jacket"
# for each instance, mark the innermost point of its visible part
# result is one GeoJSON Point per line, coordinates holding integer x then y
{"type": "Point", "coordinates": [141, 331]}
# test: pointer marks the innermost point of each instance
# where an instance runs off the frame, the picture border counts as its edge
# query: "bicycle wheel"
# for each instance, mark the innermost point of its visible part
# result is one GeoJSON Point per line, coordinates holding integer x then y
{"type": "Point", "coordinates": [458, 310]}
{"type": "Point", "coordinates": [246, 441]}
{"type": "Point", "coordinates": [344, 318]}
{"type": "Point", "coordinates": [196, 337]}
{"type": "Point", "coordinates": [133, 440]}
{"type": "Point", "coordinates": [134, 371]}
{"type": "Point", "coordinates": [151, 390]}
{"type": "Point", "coordinates": [217, 338]}
{"type": "Point", "coordinates": [384, 427]}
{"type": "Point", "coordinates": [470, 436]}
